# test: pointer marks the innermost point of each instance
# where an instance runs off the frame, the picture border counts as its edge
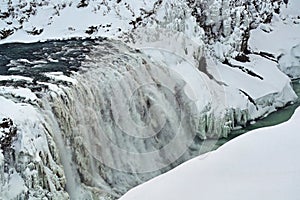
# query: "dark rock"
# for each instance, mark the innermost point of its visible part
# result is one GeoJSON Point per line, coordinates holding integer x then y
{"type": "Point", "coordinates": [8, 133]}
{"type": "Point", "coordinates": [5, 33]}
{"type": "Point", "coordinates": [82, 4]}
{"type": "Point", "coordinates": [91, 30]}
{"type": "Point", "coordinates": [35, 31]}
{"type": "Point", "coordinates": [242, 58]}
{"type": "Point", "coordinates": [4, 15]}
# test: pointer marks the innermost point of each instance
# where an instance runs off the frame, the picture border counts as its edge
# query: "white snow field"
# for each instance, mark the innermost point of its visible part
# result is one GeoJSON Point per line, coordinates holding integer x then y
{"type": "Point", "coordinates": [261, 164]}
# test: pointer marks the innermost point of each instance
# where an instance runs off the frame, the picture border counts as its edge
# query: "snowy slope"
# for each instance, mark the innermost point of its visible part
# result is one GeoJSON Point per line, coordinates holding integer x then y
{"type": "Point", "coordinates": [262, 164]}
{"type": "Point", "coordinates": [41, 20]}
{"type": "Point", "coordinates": [223, 32]}
{"type": "Point", "coordinates": [281, 39]}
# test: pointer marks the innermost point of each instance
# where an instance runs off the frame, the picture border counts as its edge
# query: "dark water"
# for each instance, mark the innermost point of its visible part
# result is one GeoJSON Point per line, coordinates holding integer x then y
{"type": "Point", "coordinates": [34, 59]}
{"type": "Point", "coordinates": [67, 56]}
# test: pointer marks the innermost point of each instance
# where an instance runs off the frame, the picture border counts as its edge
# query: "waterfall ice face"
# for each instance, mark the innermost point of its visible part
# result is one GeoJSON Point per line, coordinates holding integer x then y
{"type": "Point", "coordinates": [128, 119]}
{"type": "Point", "coordinates": [125, 118]}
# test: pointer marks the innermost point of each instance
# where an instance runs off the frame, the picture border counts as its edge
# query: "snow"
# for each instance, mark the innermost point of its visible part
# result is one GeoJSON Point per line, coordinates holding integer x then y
{"type": "Point", "coordinates": [258, 87]}
{"type": "Point", "coordinates": [177, 43]}
{"type": "Point", "coordinates": [58, 76]}
{"type": "Point", "coordinates": [285, 34]}
{"type": "Point", "coordinates": [219, 85]}
{"type": "Point", "coordinates": [32, 147]}
{"type": "Point", "coordinates": [261, 164]}
{"type": "Point", "coordinates": [15, 78]}
{"type": "Point", "coordinates": [14, 185]}
{"type": "Point", "coordinates": [17, 111]}
{"type": "Point", "coordinates": [292, 8]}
{"type": "Point", "coordinates": [13, 188]}
{"type": "Point", "coordinates": [24, 93]}
{"type": "Point", "coordinates": [281, 38]}
{"type": "Point", "coordinates": [63, 19]}
{"type": "Point", "coordinates": [186, 70]}
{"type": "Point", "coordinates": [289, 62]}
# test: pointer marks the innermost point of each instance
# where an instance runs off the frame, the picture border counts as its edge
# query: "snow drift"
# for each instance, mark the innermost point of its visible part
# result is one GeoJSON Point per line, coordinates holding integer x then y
{"type": "Point", "coordinates": [261, 164]}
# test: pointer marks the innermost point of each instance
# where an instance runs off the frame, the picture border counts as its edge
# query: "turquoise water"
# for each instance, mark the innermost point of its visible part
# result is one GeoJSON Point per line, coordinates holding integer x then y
{"type": "Point", "coordinates": [280, 116]}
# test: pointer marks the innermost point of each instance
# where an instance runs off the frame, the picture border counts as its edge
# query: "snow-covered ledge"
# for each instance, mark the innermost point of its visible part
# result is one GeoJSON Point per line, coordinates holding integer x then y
{"type": "Point", "coordinates": [261, 164]}
{"type": "Point", "coordinates": [281, 39]}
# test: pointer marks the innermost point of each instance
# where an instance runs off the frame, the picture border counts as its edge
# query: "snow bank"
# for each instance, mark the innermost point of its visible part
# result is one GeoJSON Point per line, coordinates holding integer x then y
{"type": "Point", "coordinates": [281, 39]}
{"type": "Point", "coordinates": [261, 164]}
{"type": "Point", "coordinates": [246, 89]}
{"type": "Point", "coordinates": [33, 21]}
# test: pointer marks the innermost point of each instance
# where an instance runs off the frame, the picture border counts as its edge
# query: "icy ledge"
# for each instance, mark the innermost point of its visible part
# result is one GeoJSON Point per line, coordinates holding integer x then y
{"type": "Point", "coordinates": [29, 163]}
{"type": "Point", "coordinates": [261, 164]}
{"type": "Point", "coordinates": [280, 39]}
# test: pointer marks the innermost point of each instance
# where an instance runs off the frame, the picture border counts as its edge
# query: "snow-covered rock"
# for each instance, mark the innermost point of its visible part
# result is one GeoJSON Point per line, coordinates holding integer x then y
{"type": "Point", "coordinates": [280, 39]}
{"type": "Point", "coordinates": [30, 165]}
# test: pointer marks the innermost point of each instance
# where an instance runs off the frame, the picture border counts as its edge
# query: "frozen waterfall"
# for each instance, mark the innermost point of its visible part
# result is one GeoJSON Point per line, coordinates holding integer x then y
{"type": "Point", "coordinates": [126, 119]}
{"type": "Point", "coordinates": [111, 117]}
